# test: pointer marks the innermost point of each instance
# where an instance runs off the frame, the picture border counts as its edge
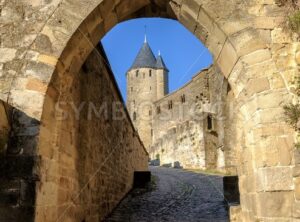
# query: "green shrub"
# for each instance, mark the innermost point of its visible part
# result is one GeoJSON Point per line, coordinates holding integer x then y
{"type": "Point", "coordinates": [292, 114]}
{"type": "Point", "coordinates": [294, 22]}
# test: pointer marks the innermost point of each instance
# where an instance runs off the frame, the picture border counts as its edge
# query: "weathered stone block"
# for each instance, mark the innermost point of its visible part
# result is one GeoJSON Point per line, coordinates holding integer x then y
{"type": "Point", "coordinates": [298, 58]}
{"type": "Point", "coordinates": [191, 7]}
{"type": "Point", "coordinates": [214, 38]}
{"type": "Point", "coordinates": [234, 26]}
{"type": "Point", "coordinates": [274, 204]}
{"type": "Point", "coordinates": [227, 59]}
{"type": "Point", "coordinates": [257, 86]}
{"type": "Point", "coordinates": [274, 179]}
{"type": "Point", "coordinates": [110, 21]}
{"type": "Point", "coordinates": [271, 100]}
{"type": "Point", "coordinates": [297, 188]}
{"type": "Point", "coordinates": [205, 20]}
{"type": "Point", "coordinates": [285, 147]}
{"type": "Point", "coordinates": [235, 213]}
{"type": "Point", "coordinates": [106, 7]}
{"type": "Point", "coordinates": [125, 8]}
{"type": "Point", "coordinates": [258, 56]}
{"type": "Point", "coordinates": [246, 41]}
{"type": "Point", "coordinates": [7, 54]}
{"type": "Point", "coordinates": [25, 100]}
{"type": "Point", "coordinates": [296, 171]}
{"type": "Point", "coordinates": [50, 60]}
{"type": "Point", "coordinates": [280, 36]}
{"type": "Point", "coordinates": [277, 81]}
{"type": "Point", "coordinates": [37, 85]}
{"type": "Point", "coordinates": [40, 70]}
{"type": "Point", "coordinates": [296, 209]}
{"type": "Point", "coordinates": [268, 22]}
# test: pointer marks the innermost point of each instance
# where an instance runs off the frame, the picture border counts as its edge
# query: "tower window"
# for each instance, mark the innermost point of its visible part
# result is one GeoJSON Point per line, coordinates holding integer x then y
{"type": "Point", "coordinates": [150, 73]}
{"type": "Point", "coordinates": [170, 105]}
{"type": "Point", "coordinates": [183, 98]}
{"type": "Point", "coordinates": [144, 75]}
{"type": "Point", "coordinates": [137, 73]}
{"type": "Point", "coordinates": [134, 116]}
{"type": "Point", "coordinates": [209, 123]}
{"type": "Point", "coordinates": [150, 112]}
{"type": "Point", "coordinates": [131, 89]}
{"type": "Point", "coordinates": [150, 88]}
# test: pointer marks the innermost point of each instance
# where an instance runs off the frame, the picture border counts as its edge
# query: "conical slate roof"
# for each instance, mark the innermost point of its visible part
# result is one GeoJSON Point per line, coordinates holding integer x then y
{"type": "Point", "coordinates": [145, 58]}
{"type": "Point", "coordinates": [160, 64]}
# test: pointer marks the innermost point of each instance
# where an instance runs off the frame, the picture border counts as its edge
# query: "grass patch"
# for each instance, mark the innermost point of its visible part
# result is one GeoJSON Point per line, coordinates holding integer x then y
{"type": "Point", "coordinates": [294, 22]}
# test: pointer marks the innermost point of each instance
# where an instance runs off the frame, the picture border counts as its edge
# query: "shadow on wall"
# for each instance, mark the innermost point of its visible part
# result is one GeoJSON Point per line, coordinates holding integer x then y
{"type": "Point", "coordinates": [91, 150]}
{"type": "Point", "coordinates": [18, 164]}
{"type": "Point", "coordinates": [73, 160]}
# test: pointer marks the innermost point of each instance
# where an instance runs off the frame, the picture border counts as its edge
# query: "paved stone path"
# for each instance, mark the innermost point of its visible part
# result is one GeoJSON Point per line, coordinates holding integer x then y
{"type": "Point", "coordinates": [178, 196]}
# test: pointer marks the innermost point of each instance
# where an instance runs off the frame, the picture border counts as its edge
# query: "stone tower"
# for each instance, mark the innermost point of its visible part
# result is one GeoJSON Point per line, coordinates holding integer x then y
{"type": "Point", "coordinates": [147, 81]}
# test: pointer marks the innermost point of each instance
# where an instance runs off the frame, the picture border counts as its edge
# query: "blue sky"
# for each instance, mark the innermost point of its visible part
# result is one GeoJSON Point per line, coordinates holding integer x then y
{"type": "Point", "coordinates": [183, 53]}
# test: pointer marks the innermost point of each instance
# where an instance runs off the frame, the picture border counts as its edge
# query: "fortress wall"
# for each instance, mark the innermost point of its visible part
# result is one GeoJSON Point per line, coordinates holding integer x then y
{"type": "Point", "coordinates": [181, 132]}
{"type": "Point", "coordinates": [98, 152]}
{"type": "Point", "coordinates": [181, 111]}
{"type": "Point", "coordinates": [42, 40]}
{"type": "Point", "coordinates": [85, 156]}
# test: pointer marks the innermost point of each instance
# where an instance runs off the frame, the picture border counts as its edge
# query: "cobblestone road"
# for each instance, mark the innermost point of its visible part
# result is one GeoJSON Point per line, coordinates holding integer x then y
{"type": "Point", "coordinates": [178, 196]}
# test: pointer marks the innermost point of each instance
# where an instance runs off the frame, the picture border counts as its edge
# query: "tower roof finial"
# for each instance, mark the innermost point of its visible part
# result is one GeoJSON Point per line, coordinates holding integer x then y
{"type": "Point", "coordinates": [145, 34]}
{"type": "Point", "coordinates": [160, 64]}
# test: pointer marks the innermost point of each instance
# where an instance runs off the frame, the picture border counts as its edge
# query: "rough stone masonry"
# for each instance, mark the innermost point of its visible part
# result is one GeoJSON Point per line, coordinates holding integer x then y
{"type": "Point", "coordinates": [90, 166]}
{"type": "Point", "coordinates": [44, 45]}
{"type": "Point", "coordinates": [185, 127]}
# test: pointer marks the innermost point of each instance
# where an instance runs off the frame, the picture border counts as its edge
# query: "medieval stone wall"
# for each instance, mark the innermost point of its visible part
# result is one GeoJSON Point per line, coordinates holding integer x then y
{"type": "Point", "coordinates": [180, 126]}
{"type": "Point", "coordinates": [41, 40]}
{"type": "Point", "coordinates": [90, 168]}
{"type": "Point", "coordinates": [82, 163]}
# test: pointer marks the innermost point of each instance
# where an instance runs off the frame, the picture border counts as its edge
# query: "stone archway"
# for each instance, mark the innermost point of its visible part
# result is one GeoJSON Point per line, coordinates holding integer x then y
{"type": "Point", "coordinates": [248, 45]}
